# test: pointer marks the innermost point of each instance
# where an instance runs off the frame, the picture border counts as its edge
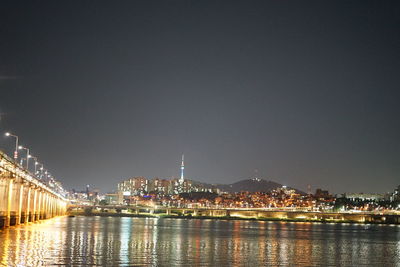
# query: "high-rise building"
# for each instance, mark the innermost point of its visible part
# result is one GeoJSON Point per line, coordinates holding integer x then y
{"type": "Point", "coordinates": [396, 194]}
{"type": "Point", "coordinates": [134, 186]}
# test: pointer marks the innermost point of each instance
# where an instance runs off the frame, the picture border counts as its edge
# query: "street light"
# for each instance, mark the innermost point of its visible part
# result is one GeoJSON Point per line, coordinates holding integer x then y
{"type": "Point", "coordinates": [36, 162]}
{"type": "Point", "coordinates": [16, 145]}
{"type": "Point", "coordinates": [27, 156]}
{"type": "Point", "coordinates": [47, 175]}
{"type": "Point", "coordinates": [40, 170]}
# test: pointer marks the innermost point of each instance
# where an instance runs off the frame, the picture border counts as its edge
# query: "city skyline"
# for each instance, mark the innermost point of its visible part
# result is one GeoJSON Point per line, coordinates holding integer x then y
{"type": "Point", "coordinates": [102, 92]}
{"type": "Point", "coordinates": [179, 181]}
{"type": "Point", "coordinates": [199, 133]}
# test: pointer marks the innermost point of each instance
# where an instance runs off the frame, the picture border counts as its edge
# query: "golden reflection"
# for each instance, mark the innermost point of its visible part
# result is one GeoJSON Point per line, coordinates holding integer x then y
{"type": "Point", "coordinates": [87, 241]}
{"type": "Point", "coordinates": [5, 247]}
{"type": "Point", "coordinates": [197, 242]}
{"type": "Point", "coordinates": [262, 249]}
{"type": "Point", "coordinates": [303, 245]}
{"type": "Point", "coordinates": [17, 246]}
{"type": "Point", "coordinates": [236, 243]}
{"type": "Point", "coordinates": [273, 243]}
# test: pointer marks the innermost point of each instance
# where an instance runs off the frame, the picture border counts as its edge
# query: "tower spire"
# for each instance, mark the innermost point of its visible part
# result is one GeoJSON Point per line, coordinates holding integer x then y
{"type": "Point", "coordinates": [182, 168]}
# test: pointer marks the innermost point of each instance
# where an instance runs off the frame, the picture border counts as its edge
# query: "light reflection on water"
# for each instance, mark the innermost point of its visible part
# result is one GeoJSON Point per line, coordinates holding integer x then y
{"type": "Point", "coordinates": [113, 241]}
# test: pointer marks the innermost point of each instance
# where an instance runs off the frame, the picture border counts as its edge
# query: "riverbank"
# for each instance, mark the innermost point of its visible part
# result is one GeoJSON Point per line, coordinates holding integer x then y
{"type": "Point", "coordinates": [163, 215]}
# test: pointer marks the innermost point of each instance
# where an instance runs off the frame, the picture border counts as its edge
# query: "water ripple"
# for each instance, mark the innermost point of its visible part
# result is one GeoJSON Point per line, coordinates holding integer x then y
{"type": "Point", "coordinates": [102, 241]}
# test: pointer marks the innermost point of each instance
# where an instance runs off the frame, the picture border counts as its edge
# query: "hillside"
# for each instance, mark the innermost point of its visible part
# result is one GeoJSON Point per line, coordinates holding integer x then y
{"type": "Point", "coordinates": [250, 185]}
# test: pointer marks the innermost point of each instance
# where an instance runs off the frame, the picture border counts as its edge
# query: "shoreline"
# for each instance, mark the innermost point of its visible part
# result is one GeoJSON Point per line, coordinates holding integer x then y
{"type": "Point", "coordinates": [225, 218]}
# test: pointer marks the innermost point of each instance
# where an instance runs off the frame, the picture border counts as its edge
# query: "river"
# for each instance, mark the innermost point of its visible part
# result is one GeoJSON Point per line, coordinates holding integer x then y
{"type": "Point", "coordinates": [119, 241]}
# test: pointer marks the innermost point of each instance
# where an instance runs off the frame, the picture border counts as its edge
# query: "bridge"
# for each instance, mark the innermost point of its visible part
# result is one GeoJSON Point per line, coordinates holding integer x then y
{"type": "Point", "coordinates": [249, 213]}
{"type": "Point", "coordinates": [24, 198]}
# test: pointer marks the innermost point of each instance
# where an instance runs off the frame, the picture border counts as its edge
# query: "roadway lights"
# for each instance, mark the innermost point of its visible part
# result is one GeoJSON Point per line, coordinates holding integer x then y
{"type": "Point", "coordinates": [27, 156]}
{"type": "Point", "coordinates": [39, 170]}
{"type": "Point", "coordinates": [36, 161]}
{"type": "Point", "coordinates": [16, 145]}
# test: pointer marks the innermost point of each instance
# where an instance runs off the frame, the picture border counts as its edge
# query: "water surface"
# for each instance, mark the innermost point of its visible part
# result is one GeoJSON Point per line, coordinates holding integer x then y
{"type": "Point", "coordinates": [116, 241]}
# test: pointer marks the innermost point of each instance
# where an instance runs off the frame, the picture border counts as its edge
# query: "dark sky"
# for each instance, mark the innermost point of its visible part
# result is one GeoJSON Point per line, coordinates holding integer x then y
{"type": "Point", "coordinates": [304, 92]}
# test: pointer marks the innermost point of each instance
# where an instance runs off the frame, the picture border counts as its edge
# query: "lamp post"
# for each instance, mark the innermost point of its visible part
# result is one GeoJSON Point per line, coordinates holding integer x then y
{"type": "Point", "coordinates": [40, 170]}
{"type": "Point", "coordinates": [46, 175]}
{"type": "Point", "coordinates": [27, 156]}
{"type": "Point", "coordinates": [49, 179]}
{"type": "Point", "coordinates": [36, 163]}
{"type": "Point", "coordinates": [16, 145]}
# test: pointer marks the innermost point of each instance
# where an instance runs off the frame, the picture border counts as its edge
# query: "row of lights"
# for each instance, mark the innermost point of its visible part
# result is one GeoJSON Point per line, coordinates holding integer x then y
{"type": "Point", "coordinates": [28, 156]}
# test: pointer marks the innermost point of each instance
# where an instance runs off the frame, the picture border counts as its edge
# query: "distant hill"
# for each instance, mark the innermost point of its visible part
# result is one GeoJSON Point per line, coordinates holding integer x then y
{"type": "Point", "coordinates": [251, 185]}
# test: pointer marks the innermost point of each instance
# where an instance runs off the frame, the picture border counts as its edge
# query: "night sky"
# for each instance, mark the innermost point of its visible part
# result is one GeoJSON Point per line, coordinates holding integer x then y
{"type": "Point", "coordinates": [304, 92]}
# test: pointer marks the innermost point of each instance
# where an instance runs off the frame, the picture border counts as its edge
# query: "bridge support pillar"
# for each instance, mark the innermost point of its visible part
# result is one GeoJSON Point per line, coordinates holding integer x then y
{"type": "Point", "coordinates": [52, 207]}
{"type": "Point", "coordinates": [55, 207]}
{"type": "Point", "coordinates": [28, 205]}
{"type": "Point", "coordinates": [33, 216]}
{"type": "Point", "coordinates": [38, 205]}
{"type": "Point", "coordinates": [9, 201]}
{"type": "Point", "coordinates": [44, 206]}
{"type": "Point", "coordinates": [20, 203]}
